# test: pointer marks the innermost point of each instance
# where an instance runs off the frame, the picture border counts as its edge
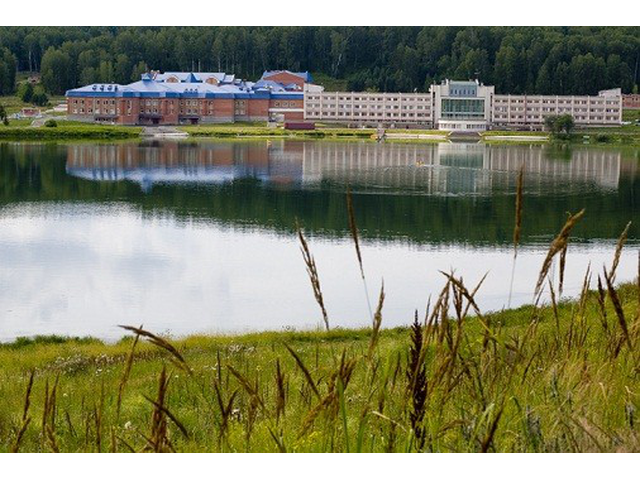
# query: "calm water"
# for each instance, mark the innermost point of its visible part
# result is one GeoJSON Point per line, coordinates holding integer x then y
{"type": "Point", "coordinates": [188, 237]}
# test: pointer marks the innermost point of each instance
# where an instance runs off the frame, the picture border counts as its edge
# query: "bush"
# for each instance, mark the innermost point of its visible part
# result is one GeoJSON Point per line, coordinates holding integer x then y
{"type": "Point", "coordinates": [25, 92]}
{"type": "Point", "coordinates": [51, 123]}
{"type": "Point", "coordinates": [40, 99]}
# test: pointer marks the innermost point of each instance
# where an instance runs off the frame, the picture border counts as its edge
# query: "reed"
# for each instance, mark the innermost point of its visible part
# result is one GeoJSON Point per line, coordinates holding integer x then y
{"type": "Point", "coordinates": [519, 206]}
{"type": "Point", "coordinates": [377, 324]}
{"type": "Point", "coordinates": [312, 272]}
{"type": "Point", "coordinates": [126, 373]}
{"type": "Point", "coordinates": [26, 419]}
{"type": "Point", "coordinates": [558, 245]}
{"type": "Point", "coordinates": [354, 229]}
{"type": "Point", "coordinates": [417, 380]}
{"type": "Point", "coordinates": [616, 256]}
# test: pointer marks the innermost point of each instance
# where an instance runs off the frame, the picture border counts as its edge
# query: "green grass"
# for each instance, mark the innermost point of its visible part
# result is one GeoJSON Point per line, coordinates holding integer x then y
{"type": "Point", "coordinates": [13, 104]}
{"type": "Point", "coordinates": [22, 122]}
{"type": "Point", "coordinates": [70, 132]}
{"type": "Point", "coordinates": [329, 83]}
{"type": "Point", "coordinates": [240, 130]}
{"type": "Point", "coordinates": [511, 133]}
{"type": "Point", "coordinates": [622, 135]}
{"type": "Point", "coordinates": [630, 115]}
{"type": "Point", "coordinates": [547, 383]}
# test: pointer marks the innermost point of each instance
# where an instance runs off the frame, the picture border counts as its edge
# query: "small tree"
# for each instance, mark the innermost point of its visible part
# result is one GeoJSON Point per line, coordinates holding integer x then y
{"type": "Point", "coordinates": [565, 123]}
{"type": "Point", "coordinates": [562, 124]}
{"type": "Point", "coordinates": [3, 115]}
{"type": "Point", "coordinates": [40, 99]}
{"type": "Point", "coordinates": [550, 123]}
{"type": "Point", "coordinates": [25, 92]}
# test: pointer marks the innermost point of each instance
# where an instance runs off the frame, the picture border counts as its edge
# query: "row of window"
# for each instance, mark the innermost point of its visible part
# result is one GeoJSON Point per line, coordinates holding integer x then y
{"type": "Point", "coordinates": [551, 109]}
{"type": "Point", "coordinates": [333, 98]}
{"type": "Point", "coordinates": [318, 106]}
{"type": "Point", "coordinates": [368, 114]}
{"type": "Point", "coordinates": [278, 104]}
{"type": "Point", "coordinates": [578, 118]}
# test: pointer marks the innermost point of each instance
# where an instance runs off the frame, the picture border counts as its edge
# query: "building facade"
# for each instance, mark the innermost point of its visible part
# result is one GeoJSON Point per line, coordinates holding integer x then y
{"type": "Point", "coordinates": [631, 101]}
{"type": "Point", "coordinates": [461, 106]}
{"type": "Point", "coordinates": [174, 98]}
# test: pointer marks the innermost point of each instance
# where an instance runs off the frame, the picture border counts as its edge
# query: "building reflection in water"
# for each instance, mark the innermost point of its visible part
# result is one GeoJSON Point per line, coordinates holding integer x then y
{"type": "Point", "coordinates": [447, 168]}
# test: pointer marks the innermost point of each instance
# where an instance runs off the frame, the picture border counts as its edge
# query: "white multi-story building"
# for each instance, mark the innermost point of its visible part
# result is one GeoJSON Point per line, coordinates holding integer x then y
{"type": "Point", "coordinates": [461, 106]}
{"type": "Point", "coordinates": [529, 111]}
{"type": "Point", "coordinates": [368, 108]}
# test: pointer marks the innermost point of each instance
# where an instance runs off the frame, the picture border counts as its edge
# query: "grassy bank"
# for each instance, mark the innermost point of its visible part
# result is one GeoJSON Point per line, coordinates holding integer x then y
{"type": "Point", "coordinates": [623, 135]}
{"type": "Point", "coordinates": [546, 379]}
{"type": "Point", "coordinates": [321, 132]}
{"type": "Point", "coordinates": [69, 132]}
{"type": "Point", "coordinates": [248, 130]}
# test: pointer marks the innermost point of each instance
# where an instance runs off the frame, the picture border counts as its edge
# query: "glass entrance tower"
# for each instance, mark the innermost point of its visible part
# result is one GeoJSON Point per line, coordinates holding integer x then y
{"type": "Point", "coordinates": [461, 106]}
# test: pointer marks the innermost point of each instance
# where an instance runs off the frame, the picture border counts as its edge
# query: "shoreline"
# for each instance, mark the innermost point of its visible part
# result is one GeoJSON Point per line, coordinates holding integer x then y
{"type": "Point", "coordinates": [629, 136]}
{"type": "Point", "coordinates": [341, 390]}
{"type": "Point", "coordinates": [278, 335]}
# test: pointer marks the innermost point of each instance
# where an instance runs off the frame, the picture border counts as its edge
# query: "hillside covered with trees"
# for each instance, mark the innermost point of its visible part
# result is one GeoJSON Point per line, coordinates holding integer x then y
{"type": "Point", "coordinates": [548, 60]}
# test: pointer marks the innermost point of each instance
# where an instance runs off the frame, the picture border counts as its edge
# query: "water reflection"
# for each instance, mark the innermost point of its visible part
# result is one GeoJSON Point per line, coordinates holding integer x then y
{"type": "Point", "coordinates": [196, 236]}
{"type": "Point", "coordinates": [432, 169]}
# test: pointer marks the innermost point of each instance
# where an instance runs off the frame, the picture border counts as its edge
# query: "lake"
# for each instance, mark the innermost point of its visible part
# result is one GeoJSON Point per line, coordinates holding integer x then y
{"type": "Point", "coordinates": [198, 237]}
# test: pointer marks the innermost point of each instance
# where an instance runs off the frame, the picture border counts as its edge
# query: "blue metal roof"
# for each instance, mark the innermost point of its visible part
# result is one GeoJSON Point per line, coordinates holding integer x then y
{"type": "Point", "coordinates": [150, 87]}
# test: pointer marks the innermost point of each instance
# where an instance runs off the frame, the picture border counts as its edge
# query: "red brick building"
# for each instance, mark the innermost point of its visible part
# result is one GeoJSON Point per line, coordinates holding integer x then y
{"type": "Point", "coordinates": [175, 98]}
{"type": "Point", "coordinates": [631, 101]}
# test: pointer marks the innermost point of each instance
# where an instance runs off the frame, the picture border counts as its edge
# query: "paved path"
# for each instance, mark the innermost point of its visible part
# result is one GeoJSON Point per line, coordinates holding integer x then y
{"type": "Point", "coordinates": [163, 131]}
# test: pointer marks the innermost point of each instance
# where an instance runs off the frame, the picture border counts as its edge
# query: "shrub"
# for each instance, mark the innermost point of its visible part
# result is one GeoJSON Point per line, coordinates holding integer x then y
{"type": "Point", "coordinates": [51, 123]}
{"type": "Point", "coordinates": [40, 99]}
{"type": "Point", "coordinates": [25, 92]}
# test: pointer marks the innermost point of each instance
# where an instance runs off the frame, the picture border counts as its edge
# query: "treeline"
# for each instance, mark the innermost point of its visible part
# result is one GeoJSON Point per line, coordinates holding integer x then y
{"type": "Point", "coordinates": [550, 60]}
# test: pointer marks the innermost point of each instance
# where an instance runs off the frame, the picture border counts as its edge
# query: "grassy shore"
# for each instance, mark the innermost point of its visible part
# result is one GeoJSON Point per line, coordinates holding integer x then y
{"type": "Point", "coordinates": [623, 135]}
{"type": "Point", "coordinates": [69, 132]}
{"type": "Point", "coordinates": [252, 130]}
{"type": "Point", "coordinates": [561, 378]}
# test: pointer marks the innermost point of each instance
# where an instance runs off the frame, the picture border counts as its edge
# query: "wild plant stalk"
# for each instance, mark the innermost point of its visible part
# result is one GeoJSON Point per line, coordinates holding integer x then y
{"type": "Point", "coordinates": [158, 439]}
{"type": "Point", "coordinates": [305, 370]}
{"type": "Point", "coordinates": [617, 306]}
{"type": "Point", "coordinates": [563, 264]}
{"type": "Point", "coordinates": [312, 272]}
{"type": "Point", "coordinates": [517, 228]}
{"type": "Point", "coordinates": [417, 381]}
{"type": "Point", "coordinates": [558, 244]}
{"type": "Point", "coordinates": [618, 252]}
{"type": "Point", "coordinates": [281, 396]}
{"type": "Point", "coordinates": [125, 374]}
{"type": "Point", "coordinates": [226, 408]}
{"type": "Point", "coordinates": [354, 235]}
{"type": "Point", "coordinates": [519, 204]}
{"type": "Point", "coordinates": [26, 419]}
{"type": "Point", "coordinates": [176, 357]}
{"type": "Point", "coordinates": [377, 324]}
{"type": "Point", "coordinates": [49, 416]}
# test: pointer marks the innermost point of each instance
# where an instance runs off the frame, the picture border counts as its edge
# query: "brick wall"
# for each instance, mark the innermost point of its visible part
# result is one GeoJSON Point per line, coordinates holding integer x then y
{"type": "Point", "coordinates": [631, 101]}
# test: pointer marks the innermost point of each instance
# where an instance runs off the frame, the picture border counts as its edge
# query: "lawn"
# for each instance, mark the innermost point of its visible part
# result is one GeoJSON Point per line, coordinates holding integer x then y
{"type": "Point", "coordinates": [75, 130]}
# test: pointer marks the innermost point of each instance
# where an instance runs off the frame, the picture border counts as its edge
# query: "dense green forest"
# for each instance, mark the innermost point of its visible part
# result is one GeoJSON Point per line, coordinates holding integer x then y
{"type": "Point", "coordinates": [556, 60]}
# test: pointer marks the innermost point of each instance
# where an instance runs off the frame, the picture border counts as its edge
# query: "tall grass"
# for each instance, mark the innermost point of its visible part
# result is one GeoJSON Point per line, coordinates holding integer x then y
{"type": "Point", "coordinates": [561, 377]}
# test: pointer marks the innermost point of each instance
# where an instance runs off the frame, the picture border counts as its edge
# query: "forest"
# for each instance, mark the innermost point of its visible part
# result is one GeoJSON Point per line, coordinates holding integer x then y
{"type": "Point", "coordinates": [545, 60]}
